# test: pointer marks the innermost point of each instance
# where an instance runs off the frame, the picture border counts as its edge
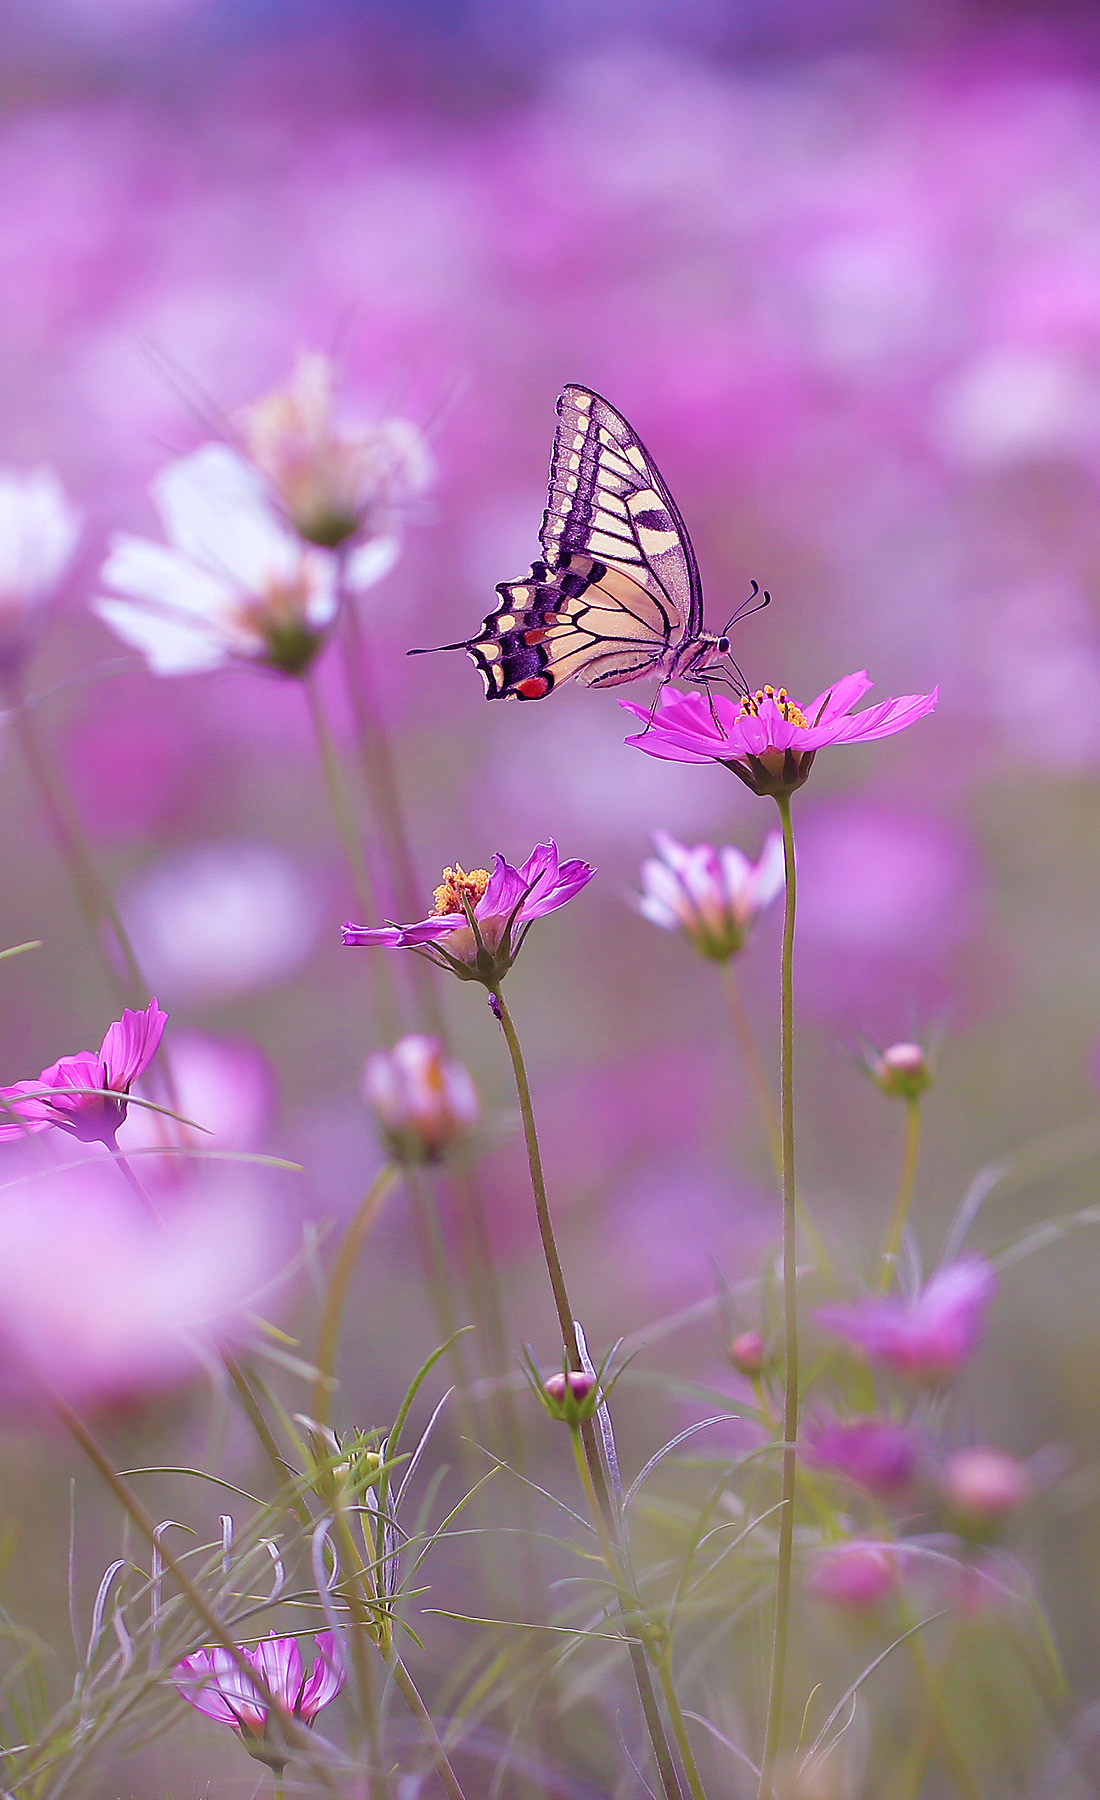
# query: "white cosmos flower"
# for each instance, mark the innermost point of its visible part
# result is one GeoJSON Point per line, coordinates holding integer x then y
{"type": "Point", "coordinates": [712, 896]}
{"type": "Point", "coordinates": [232, 583]}
{"type": "Point", "coordinates": [38, 532]}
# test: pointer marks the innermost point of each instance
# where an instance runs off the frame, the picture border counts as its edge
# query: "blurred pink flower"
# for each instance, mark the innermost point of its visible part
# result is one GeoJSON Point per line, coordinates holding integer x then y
{"type": "Point", "coordinates": [929, 1338]}
{"type": "Point", "coordinates": [106, 1304]}
{"type": "Point", "coordinates": [981, 1486]}
{"type": "Point", "coordinates": [423, 1101]}
{"type": "Point", "coordinates": [38, 532]}
{"type": "Point", "coordinates": [339, 485]}
{"type": "Point", "coordinates": [226, 1085]}
{"type": "Point", "coordinates": [475, 913]}
{"type": "Point", "coordinates": [854, 1575]}
{"type": "Point", "coordinates": [878, 1454]}
{"type": "Point", "coordinates": [128, 1048]}
{"type": "Point", "coordinates": [713, 896]}
{"type": "Point", "coordinates": [234, 583]}
{"type": "Point", "coordinates": [214, 1683]}
{"type": "Point", "coordinates": [767, 739]}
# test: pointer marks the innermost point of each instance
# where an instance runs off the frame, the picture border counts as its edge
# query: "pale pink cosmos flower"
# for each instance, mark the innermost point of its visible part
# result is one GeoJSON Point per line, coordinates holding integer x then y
{"type": "Point", "coordinates": [929, 1338]}
{"type": "Point", "coordinates": [981, 1485]}
{"type": "Point", "coordinates": [423, 1101]}
{"type": "Point", "coordinates": [878, 1454]}
{"type": "Point", "coordinates": [58, 1096]}
{"type": "Point", "coordinates": [233, 583]}
{"type": "Point", "coordinates": [470, 926]}
{"type": "Point", "coordinates": [38, 532]}
{"type": "Point", "coordinates": [857, 1575]}
{"type": "Point", "coordinates": [215, 1684]}
{"type": "Point", "coordinates": [767, 739]}
{"type": "Point", "coordinates": [338, 484]}
{"type": "Point", "coordinates": [713, 896]}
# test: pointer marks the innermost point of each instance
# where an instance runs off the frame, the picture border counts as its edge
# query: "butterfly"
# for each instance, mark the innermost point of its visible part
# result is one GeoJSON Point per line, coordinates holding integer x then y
{"type": "Point", "coordinates": [616, 594]}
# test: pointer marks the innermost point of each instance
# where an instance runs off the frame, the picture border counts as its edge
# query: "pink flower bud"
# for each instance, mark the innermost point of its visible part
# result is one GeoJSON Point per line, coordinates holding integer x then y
{"type": "Point", "coordinates": [747, 1352]}
{"type": "Point", "coordinates": [423, 1102]}
{"type": "Point", "coordinates": [576, 1383]}
{"type": "Point", "coordinates": [981, 1486]}
{"type": "Point", "coordinates": [902, 1071]}
{"type": "Point", "coordinates": [855, 1575]}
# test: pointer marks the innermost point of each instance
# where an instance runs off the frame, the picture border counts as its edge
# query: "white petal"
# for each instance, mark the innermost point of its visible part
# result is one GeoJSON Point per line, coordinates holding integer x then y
{"type": "Point", "coordinates": [38, 533]}
{"type": "Point", "coordinates": [215, 509]}
{"type": "Point", "coordinates": [370, 562]}
{"type": "Point", "coordinates": [737, 872]}
{"type": "Point", "coordinates": [657, 912]}
{"type": "Point", "coordinates": [170, 584]}
{"type": "Point", "coordinates": [172, 646]}
{"type": "Point", "coordinates": [769, 878]}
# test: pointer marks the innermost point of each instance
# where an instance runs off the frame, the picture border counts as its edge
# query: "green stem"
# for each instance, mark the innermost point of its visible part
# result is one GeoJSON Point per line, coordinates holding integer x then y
{"type": "Point", "coordinates": [946, 1739]}
{"type": "Point", "coordinates": [344, 819]}
{"type": "Point", "coordinates": [904, 1194]}
{"type": "Point", "coordinates": [773, 1731]}
{"type": "Point", "coordinates": [679, 1727]}
{"type": "Point", "coordinates": [335, 1295]}
{"type": "Point", "coordinates": [411, 1696]}
{"type": "Point", "coordinates": [603, 1509]}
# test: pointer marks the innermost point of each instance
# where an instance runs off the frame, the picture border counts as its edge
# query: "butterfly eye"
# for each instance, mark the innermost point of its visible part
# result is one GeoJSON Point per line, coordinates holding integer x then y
{"type": "Point", "coordinates": [722, 645]}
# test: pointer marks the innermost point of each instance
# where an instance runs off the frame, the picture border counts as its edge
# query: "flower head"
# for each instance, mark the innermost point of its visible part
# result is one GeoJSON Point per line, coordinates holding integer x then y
{"type": "Point", "coordinates": [216, 1685]}
{"type": "Point", "coordinates": [38, 532]}
{"type": "Point", "coordinates": [423, 1101]}
{"type": "Point", "coordinates": [929, 1338]}
{"type": "Point", "coordinates": [981, 1486]}
{"type": "Point", "coordinates": [767, 739]}
{"type": "Point", "coordinates": [60, 1097]}
{"type": "Point", "coordinates": [902, 1071]}
{"type": "Point", "coordinates": [471, 927]}
{"type": "Point", "coordinates": [233, 583]}
{"type": "Point", "coordinates": [712, 896]}
{"type": "Point", "coordinates": [855, 1575]}
{"type": "Point", "coordinates": [336, 484]}
{"type": "Point", "coordinates": [877, 1454]}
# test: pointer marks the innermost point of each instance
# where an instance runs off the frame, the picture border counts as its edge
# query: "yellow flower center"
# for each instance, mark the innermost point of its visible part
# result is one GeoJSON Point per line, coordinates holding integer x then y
{"type": "Point", "coordinates": [751, 704]}
{"type": "Point", "coordinates": [458, 887]}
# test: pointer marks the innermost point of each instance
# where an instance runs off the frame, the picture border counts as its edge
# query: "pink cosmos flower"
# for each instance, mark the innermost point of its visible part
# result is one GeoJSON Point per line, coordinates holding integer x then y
{"type": "Point", "coordinates": [57, 1097]}
{"type": "Point", "coordinates": [767, 739]}
{"type": "Point", "coordinates": [877, 1454]}
{"type": "Point", "coordinates": [475, 913]}
{"type": "Point", "coordinates": [217, 1687]}
{"type": "Point", "coordinates": [929, 1338]}
{"type": "Point", "coordinates": [423, 1101]}
{"type": "Point", "coordinates": [712, 896]}
{"type": "Point", "coordinates": [854, 1575]}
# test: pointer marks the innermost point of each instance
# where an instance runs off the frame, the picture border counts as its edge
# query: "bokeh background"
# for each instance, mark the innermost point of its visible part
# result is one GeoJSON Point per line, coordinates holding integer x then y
{"type": "Point", "coordinates": [840, 265]}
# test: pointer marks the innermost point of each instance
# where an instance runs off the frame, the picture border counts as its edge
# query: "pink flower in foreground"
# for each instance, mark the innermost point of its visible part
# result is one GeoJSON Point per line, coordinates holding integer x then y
{"type": "Point", "coordinates": [712, 896]}
{"type": "Point", "coordinates": [767, 739]}
{"type": "Point", "coordinates": [218, 1687]}
{"type": "Point", "coordinates": [929, 1338]}
{"type": "Point", "coordinates": [877, 1454]}
{"type": "Point", "coordinates": [58, 1096]}
{"type": "Point", "coordinates": [470, 927]}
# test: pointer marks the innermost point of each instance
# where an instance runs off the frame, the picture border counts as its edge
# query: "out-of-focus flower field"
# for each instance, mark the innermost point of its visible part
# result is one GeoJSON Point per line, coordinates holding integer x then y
{"type": "Point", "coordinates": [840, 268]}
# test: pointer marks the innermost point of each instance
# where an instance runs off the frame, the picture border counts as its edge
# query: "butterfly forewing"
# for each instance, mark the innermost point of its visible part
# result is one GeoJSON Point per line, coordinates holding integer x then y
{"type": "Point", "coordinates": [616, 595]}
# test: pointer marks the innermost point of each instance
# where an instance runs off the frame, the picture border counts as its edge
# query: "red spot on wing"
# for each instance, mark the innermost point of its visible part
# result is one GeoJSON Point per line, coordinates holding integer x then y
{"type": "Point", "coordinates": [533, 688]}
{"type": "Point", "coordinates": [533, 637]}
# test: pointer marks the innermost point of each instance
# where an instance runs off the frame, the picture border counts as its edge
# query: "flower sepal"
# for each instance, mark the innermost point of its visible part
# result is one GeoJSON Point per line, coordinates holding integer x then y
{"type": "Point", "coordinates": [570, 1396]}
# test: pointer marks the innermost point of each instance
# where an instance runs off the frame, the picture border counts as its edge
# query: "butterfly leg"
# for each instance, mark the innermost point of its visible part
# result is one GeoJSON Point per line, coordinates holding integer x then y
{"type": "Point", "coordinates": [656, 703]}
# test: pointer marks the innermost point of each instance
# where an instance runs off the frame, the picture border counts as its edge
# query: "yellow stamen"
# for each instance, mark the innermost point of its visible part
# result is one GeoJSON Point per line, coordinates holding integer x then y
{"type": "Point", "coordinates": [751, 703]}
{"type": "Point", "coordinates": [456, 888]}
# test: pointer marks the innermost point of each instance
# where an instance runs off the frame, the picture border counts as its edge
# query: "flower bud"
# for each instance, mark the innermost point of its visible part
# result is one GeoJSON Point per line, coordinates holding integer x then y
{"type": "Point", "coordinates": [902, 1071]}
{"type": "Point", "coordinates": [423, 1102]}
{"type": "Point", "coordinates": [571, 1395]}
{"type": "Point", "coordinates": [856, 1575]}
{"type": "Point", "coordinates": [747, 1352]}
{"type": "Point", "coordinates": [981, 1487]}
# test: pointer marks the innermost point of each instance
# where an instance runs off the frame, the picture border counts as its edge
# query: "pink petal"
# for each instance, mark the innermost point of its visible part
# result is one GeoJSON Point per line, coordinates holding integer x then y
{"type": "Point", "coordinates": [327, 1678]}
{"type": "Point", "coordinates": [838, 699]}
{"type": "Point", "coordinates": [278, 1662]}
{"type": "Point", "coordinates": [130, 1044]}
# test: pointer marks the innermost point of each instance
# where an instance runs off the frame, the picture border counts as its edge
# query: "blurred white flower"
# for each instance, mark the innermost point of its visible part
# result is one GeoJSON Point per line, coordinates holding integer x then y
{"type": "Point", "coordinates": [423, 1101]}
{"type": "Point", "coordinates": [226, 1085]}
{"type": "Point", "coordinates": [38, 532]}
{"type": "Point", "coordinates": [235, 583]}
{"type": "Point", "coordinates": [338, 484]}
{"type": "Point", "coordinates": [712, 896]}
{"type": "Point", "coordinates": [223, 919]}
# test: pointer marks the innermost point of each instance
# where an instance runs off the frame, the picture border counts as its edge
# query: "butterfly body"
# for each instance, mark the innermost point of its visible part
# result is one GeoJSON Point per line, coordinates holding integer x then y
{"type": "Point", "coordinates": [616, 594]}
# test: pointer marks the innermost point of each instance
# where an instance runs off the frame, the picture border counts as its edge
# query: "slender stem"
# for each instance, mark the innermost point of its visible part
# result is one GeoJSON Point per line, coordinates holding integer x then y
{"type": "Point", "coordinates": [344, 819]}
{"type": "Point", "coordinates": [774, 1726]}
{"type": "Point", "coordinates": [359, 1594]}
{"type": "Point", "coordinates": [758, 1081]}
{"type": "Point", "coordinates": [679, 1727]}
{"type": "Point", "coordinates": [336, 1293]}
{"type": "Point", "coordinates": [904, 1194]}
{"type": "Point", "coordinates": [263, 1432]}
{"type": "Point", "coordinates": [133, 1181]}
{"type": "Point", "coordinates": [93, 895]}
{"type": "Point", "coordinates": [945, 1740]}
{"type": "Point", "coordinates": [604, 1511]}
{"type": "Point", "coordinates": [423, 1717]}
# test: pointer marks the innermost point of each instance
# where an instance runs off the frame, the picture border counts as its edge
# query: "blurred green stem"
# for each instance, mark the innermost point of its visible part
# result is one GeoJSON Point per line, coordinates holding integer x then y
{"type": "Point", "coordinates": [336, 1293]}
{"type": "Point", "coordinates": [904, 1194]}
{"type": "Point", "coordinates": [603, 1508]}
{"type": "Point", "coordinates": [411, 1696]}
{"type": "Point", "coordinates": [773, 1731]}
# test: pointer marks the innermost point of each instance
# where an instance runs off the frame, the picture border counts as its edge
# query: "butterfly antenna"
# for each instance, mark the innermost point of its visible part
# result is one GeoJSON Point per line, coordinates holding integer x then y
{"type": "Point", "coordinates": [755, 603]}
